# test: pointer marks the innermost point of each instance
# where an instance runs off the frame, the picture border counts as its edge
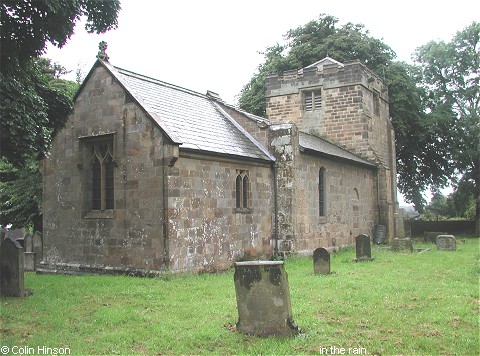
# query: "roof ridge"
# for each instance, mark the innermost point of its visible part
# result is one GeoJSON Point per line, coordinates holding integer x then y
{"type": "Point", "coordinates": [158, 81]}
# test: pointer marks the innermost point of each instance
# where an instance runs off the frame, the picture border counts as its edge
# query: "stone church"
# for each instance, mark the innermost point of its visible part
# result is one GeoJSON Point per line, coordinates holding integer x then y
{"type": "Point", "coordinates": [147, 176]}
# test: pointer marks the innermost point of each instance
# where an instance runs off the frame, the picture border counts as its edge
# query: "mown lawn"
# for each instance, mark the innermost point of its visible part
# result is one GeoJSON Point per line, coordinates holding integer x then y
{"type": "Point", "coordinates": [409, 304]}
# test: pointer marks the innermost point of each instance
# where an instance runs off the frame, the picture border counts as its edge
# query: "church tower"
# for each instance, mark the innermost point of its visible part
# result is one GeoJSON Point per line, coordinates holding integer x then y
{"type": "Point", "coordinates": [347, 105]}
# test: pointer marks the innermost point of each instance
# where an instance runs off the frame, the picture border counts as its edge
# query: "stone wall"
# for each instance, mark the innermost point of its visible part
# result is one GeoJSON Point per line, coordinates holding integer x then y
{"type": "Point", "coordinates": [257, 128]}
{"type": "Point", "coordinates": [350, 191]}
{"type": "Point", "coordinates": [130, 235]}
{"type": "Point", "coordinates": [350, 195]}
{"type": "Point", "coordinates": [206, 230]}
{"type": "Point", "coordinates": [418, 227]}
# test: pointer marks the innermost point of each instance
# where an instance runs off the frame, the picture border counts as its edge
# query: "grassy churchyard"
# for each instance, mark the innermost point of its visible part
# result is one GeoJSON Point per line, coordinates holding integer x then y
{"type": "Point", "coordinates": [398, 304]}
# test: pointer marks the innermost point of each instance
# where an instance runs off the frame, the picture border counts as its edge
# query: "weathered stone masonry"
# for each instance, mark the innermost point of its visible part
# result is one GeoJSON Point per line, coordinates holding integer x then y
{"type": "Point", "coordinates": [174, 209]}
{"type": "Point", "coordinates": [132, 233]}
{"type": "Point", "coordinates": [205, 228]}
{"type": "Point", "coordinates": [354, 115]}
{"type": "Point", "coordinates": [175, 187]}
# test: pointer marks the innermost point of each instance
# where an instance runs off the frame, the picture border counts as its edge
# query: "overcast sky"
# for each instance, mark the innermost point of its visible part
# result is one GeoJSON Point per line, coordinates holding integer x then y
{"type": "Point", "coordinates": [213, 45]}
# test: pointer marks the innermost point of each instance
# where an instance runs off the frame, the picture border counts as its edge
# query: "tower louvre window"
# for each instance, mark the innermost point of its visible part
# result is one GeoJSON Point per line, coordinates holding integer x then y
{"type": "Point", "coordinates": [313, 100]}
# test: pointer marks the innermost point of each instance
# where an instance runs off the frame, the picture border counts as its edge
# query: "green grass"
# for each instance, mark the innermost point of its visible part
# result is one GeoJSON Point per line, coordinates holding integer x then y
{"type": "Point", "coordinates": [408, 304]}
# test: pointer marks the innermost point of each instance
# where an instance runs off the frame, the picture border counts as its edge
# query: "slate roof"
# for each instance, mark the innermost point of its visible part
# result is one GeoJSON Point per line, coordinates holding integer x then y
{"type": "Point", "coordinates": [190, 119]}
{"type": "Point", "coordinates": [322, 147]}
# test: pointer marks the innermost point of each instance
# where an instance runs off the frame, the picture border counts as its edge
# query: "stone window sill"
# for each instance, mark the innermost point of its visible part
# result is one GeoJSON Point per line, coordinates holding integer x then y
{"type": "Point", "coordinates": [100, 214]}
{"type": "Point", "coordinates": [243, 211]}
{"type": "Point", "coordinates": [322, 219]}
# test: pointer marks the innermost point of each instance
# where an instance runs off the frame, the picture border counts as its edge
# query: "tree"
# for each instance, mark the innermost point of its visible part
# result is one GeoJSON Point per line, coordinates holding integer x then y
{"type": "Point", "coordinates": [32, 109]}
{"type": "Point", "coordinates": [21, 195]}
{"type": "Point", "coordinates": [21, 185]}
{"type": "Point", "coordinates": [307, 44]}
{"type": "Point", "coordinates": [450, 73]}
{"type": "Point", "coordinates": [35, 102]}
{"type": "Point", "coordinates": [438, 205]}
{"type": "Point", "coordinates": [461, 201]}
{"type": "Point", "coordinates": [420, 162]}
{"type": "Point", "coordinates": [28, 25]}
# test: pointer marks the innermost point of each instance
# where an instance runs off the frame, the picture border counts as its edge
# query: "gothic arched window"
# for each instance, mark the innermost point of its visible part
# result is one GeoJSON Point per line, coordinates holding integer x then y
{"type": "Point", "coordinates": [242, 189]}
{"type": "Point", "coordinates": [102, 176]}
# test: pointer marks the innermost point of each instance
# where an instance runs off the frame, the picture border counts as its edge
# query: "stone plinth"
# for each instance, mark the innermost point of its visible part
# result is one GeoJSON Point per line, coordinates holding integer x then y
{"type": "Point", "coordinates": [263, 299]}
{"type": "Point", "coordinates": [402, 245]}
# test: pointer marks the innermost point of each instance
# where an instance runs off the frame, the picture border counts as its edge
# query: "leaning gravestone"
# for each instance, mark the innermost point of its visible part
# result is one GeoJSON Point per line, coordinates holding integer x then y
{"type": "Point", "coordinates": [321, 261]}
{"type": "Point", "coordinates": [263, 299]}
{"type": "Point", "coordinates": [363, 248]}
{"type": "Point", "coordinates": [11, 269]}
{"type": "Point", "coordinates": [446, 243]}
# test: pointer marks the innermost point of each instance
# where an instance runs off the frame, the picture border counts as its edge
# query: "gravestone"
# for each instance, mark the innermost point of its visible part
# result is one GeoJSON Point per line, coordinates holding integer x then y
{"type": "Point", "coordinates": [38, 247]}
{"type": "Point", "coordinates": [446, 243]}
{"type": "Point", "coordinates": [11, 268]}
{"type": "Point", "coordinates": [363, 248]}
{"type": "Point", "coordinates": [263, 299]}
{"type": "Point", "coordinates": [29, 258]}
{"type": "Point", "coordinates": [431, 236]}
{"type": "Point", "coordinates": [321, 261]}
{"type": "Point", "coordinates": [380, 231]}
{"type": "Point", "coordinates": [399, 225]}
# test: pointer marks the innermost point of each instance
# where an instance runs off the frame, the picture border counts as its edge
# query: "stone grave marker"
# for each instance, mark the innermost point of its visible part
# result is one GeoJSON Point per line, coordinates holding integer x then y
{"type": "Point", "coordinates": [263, 299]}
{"type": "Point", "coordinates": [11, 269]}
{"type": "Point", "coordinates": [38, 247]}
{"type": "Point", "coordinates": [399, 225]}
{"type": "Point", "coordinates": [29, 257]}
{"type": "Point", "coordinates": [446, 243]}
{"type": "Point", "coordinates": [321, 261]}
{"type": "Point", "coordinates": [363, 248]}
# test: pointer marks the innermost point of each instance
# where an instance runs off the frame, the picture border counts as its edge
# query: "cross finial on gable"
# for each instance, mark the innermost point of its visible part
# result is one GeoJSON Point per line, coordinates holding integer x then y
{"type": "Point", "coordinates": [102, 51]}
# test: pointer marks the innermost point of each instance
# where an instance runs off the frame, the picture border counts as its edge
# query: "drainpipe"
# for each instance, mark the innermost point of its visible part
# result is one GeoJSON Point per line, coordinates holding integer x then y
{"type": "Point", "coordinates": [275, 208]}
